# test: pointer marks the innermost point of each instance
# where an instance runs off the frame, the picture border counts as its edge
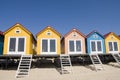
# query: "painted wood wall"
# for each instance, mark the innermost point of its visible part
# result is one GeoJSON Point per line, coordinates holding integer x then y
{"type": "Point", "coordinates": [112, 37]}
{"type": "Point", "coordinates": [44, 35]}
{"type": "Point", "coordinates": [92, 37]}
{"type": "Point", "coordinates": [73, 35]}
{"type": "Point", "coordinates": [11, 32]}
{"type": "Point", "coordinates": [1, 44]}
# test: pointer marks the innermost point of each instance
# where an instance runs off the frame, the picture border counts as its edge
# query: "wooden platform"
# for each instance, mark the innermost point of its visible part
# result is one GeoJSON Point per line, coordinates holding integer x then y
{"type": "Point", "coordinates": [82, 58]}
{"type": "Point", "coordinates": [47, 56]}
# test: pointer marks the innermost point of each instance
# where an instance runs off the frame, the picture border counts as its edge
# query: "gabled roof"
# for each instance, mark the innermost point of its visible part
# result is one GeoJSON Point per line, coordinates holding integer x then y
{"type": "Point", "coordinates": [46, 28]}
{"type": "Point", "coordinates": [74, 30]}
{"type": "Point", "coordinates": [106, 35]}
{"type": "Point", "coordinates": [21, 26]}
{"type": "Point", "coordinates": [1, 33]}
{"type": "Point", "coordinates": [91, 33]}
{"type": "Point", "coordinates": [17, 25]}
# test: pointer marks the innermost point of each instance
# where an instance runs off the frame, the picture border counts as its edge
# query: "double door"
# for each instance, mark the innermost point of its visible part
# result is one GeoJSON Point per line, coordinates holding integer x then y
{"type": "Point", "coordinates": [16, 45]}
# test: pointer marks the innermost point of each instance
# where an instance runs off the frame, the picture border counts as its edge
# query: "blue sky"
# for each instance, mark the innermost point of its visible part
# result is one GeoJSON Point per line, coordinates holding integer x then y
{"type": "Point", "coordinates": [62, 15]}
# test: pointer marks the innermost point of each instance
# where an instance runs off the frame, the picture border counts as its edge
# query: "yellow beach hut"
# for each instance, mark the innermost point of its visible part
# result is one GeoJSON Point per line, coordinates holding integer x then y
{"type": "Point", "coordinates": [48, 42]}
{"type": "Point", "coordinates": [18, 40]}
{"type": "Point", "coordinates": [112, 43]}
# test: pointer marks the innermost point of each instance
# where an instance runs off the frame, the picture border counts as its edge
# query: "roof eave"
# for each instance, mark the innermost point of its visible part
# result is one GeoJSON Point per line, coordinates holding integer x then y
{"type": "Point", "coordinates": [49, 28]}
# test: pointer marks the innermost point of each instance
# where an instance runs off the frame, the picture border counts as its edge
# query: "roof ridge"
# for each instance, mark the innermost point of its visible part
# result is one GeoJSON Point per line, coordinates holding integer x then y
{"type": "Point", "coordinates": [50, 27]}
{"type": "Point", "coordinates": [94, 32]}
{"type": "Point", "coordinates": [74, 29]}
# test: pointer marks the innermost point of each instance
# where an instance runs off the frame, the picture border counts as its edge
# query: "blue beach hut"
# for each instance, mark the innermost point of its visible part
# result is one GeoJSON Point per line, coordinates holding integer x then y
{"type": "Point", "coordinates": [95, 43]}
{"type": "Point", "coordinates": [1, 42]}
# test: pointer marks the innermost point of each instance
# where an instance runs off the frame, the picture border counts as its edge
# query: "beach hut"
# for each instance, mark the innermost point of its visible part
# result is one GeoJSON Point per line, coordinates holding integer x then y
{"type": "Point", "coordinates": [18, 40]}
{"type": "Point", "coordinates": [48, 42]}
{"type": "Point", "coordinates": [73, 43]}
{"type": "Point", "coordinates": [1, 42]}
{"type": "Point", "coordinates": [95, 43]}
{"type": "Point", "coordinates": [112, 43]}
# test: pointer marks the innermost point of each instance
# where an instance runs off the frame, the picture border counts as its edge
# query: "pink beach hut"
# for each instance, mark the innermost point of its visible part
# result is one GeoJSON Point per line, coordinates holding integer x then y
{"type": "Point", "coordinates": [73, 43]}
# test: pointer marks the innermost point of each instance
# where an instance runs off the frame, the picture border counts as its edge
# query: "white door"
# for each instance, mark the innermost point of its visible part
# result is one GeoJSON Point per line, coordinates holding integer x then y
{"type": "Point", "coordinates": [49, 47]}
{"type": "Point", "coordinates": [74, 47]}
{"type": "Point", "coordinates": [16, 45]}
{"type": "Point", "coordinates": [96, 46]}
{"type": "Point", "coordinates": [113, 47]}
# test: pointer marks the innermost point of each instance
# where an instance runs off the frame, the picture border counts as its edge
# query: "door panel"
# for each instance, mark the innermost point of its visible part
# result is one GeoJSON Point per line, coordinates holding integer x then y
{"type": "Point", "coordinates": [52, 46]}
{"type": "Point", "coordinates": [21, 42]}
{"type": "Point", "coordinates": [44, 45]}
{"type": "Point", "coordinates": [93, 46]}
{"type": "Point", "coordinates": [99, 46]}
{"type": "Point", "coordinates": [71, 46]}
{"type": "Point", "coordinates": [12, 45]}
{"type": "Point", "coordinates": [78, 46]}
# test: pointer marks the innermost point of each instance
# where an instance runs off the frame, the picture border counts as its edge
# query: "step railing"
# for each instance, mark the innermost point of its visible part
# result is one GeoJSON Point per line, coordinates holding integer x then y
{"type": "Point", "coordinates": [24, 66]}
{"type": "Point", "coordinates": [66, 66]}
{"type": "Point", "coordinates": [96, 62]}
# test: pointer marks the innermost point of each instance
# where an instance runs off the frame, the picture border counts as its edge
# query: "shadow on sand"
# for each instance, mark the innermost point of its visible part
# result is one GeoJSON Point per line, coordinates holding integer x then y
{"type": "Point", "coordinates": [46, 63]}
{"type": "Point", "coordinates": [49, 63]}
{"type": "Point", "coordinates": [114, 64]}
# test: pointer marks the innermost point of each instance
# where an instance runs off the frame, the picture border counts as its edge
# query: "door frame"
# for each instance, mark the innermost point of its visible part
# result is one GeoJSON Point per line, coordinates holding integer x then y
{"type": "Point", "coordinates": [49, 53]}
{"type": "Point", "coordinates": [16, 47]}
{"type": "Point", "coordinates": [94, 52]}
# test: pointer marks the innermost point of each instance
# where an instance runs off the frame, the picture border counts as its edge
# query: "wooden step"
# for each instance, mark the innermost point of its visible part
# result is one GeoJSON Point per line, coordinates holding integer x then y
{"type": "Point", "coordinates": [66, 65]}
{"type": "Point", "coordinates": [116, 56]}
{"type": "Point", "coordinates": [24, 66]}
{"type": "Point", "coordinates": [96, 62]}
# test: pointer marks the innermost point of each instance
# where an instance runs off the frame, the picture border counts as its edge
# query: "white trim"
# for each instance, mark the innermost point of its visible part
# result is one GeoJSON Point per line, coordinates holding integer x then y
{"type": "Point", "coordinates": [96, 46]}
{"type": "Point", "coordinates": [113, 47]}
{"type": "Point", "coordinates": [75, 52]}
{"type": "Point", "coordinates": [16, 46]}
{"type": "Point", "coordinates": [49, 53]}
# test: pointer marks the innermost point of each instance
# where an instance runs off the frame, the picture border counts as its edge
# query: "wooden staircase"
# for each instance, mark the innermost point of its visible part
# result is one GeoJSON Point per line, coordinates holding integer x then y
{"type": "Point", "coordinates": [24, 66]}
{"type": "Point", "coordinates": [66, 66]}
{"type": "Point", "coordinates": [116, 56]}
{"type": "Point", "coordinates": [96, 62]}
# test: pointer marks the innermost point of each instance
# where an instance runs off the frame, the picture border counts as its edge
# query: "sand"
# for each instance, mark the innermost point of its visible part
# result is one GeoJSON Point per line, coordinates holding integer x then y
{"type": "Point", "coordinates": [80, 72]}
